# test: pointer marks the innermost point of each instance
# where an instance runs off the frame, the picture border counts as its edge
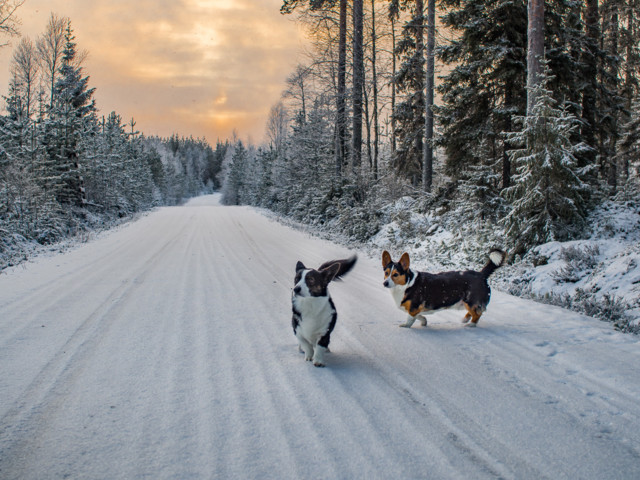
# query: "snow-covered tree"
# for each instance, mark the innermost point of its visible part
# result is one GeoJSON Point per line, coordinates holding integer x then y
{"type": "Point", "coordinates": [548, 195]}
{"type": "Point", "coordinates": [68, 121]}
{"type": "Point", "coordinates": [484, 88]}
{"type": "Point", "coordinates": [234, 185]}
{"type": "Point", "coordinates": [409, 112]}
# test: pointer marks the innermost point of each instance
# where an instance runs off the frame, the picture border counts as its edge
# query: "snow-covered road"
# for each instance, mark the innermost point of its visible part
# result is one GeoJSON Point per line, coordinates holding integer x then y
{"type": "Point", "coordinates": [164, 349]}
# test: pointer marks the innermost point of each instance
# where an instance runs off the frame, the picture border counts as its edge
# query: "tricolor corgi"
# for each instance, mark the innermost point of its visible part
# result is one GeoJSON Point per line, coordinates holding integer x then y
{"type": "Point", "coordinates": [421, 293]}
{"type": "Point", "coordinates": [314, 314]}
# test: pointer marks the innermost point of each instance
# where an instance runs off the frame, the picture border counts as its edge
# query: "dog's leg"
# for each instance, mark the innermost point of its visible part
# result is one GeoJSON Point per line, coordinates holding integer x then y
{"type": "Point", "coordinates": [423, 320]}
{"type": "Point", "coordinates": [474, 319]}
{"type": "Point", "coordinates": [305, 347]}
{"type": "Point", "coordinates": [409, 322]}
{"type": "Point", "coordinates": [474, 314]}
{"type": "Point", "coordinates": [322, 346]}
{"type": "Point", "coordinates": [318, 355]}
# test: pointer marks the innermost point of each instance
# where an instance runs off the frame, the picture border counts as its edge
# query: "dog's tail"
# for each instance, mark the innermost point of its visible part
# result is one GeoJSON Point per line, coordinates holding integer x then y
{"type": "Point", "coordinates": [496, 259]}
{"type": "Point", "coordinates": [345, 266]}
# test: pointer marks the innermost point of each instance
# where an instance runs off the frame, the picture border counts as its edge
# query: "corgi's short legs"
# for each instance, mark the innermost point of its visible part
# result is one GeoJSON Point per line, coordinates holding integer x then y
{"type": "Point", "coordinates": [305, 347]}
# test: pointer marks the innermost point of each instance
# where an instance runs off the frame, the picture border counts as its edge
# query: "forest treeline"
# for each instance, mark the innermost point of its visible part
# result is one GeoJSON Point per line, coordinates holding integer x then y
{"type": "Point", "coordinates": [423, 102]}
{"type": "Point", "coordinates": [357, 128]}
{"type": "Point", "coordinates": [65, 169]}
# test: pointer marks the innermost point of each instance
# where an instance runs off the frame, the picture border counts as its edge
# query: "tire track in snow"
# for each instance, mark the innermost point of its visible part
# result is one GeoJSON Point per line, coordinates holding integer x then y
{"type": "Point", "coordinates": [71, 283]}
{"type": "Point", "coordinates": [261, 333]}
{"type": "Point", "coordinates": [49, 389]}
{"type": "Point", "coordinates": [364, 417]}
{"type": "Point", "coordinates": [437, 425]}
{"type": "Point", "coordinates": [194, 373]}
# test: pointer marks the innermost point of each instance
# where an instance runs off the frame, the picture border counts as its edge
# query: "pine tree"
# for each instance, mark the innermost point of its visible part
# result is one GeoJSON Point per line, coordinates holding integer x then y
{"type": "Point", "coordinates": [23, 204]}
{"type": "Point", "coordinates": [233, 189]}
{"type": "Point", "coordinates": [548, 195]}
{"type": "Point", "coordinates": [485, 87]}
{"type": "Point", "coordinates": [67, 123]}
{"type": "Point", "coordinates": [409, 114]}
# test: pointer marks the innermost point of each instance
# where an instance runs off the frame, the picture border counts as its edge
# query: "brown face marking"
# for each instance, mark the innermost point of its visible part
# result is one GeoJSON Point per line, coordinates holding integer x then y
{"type": "Point", "coordinates": [398, 277]}
{"type": "Point", "coordinates": [396, 271]}
{"type": "Point", "coordinates": [315, 282]}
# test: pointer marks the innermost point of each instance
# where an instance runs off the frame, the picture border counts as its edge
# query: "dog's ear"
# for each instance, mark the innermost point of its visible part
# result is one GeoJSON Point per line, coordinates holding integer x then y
{"type": "Point", "coordinates": [330, 272]}
{"type": "Point", "coordinates": [386, 259]}
{"type": "Point", "coordinates": [404, 261]}
{"type": "Point", "coordinates": [300, 266]}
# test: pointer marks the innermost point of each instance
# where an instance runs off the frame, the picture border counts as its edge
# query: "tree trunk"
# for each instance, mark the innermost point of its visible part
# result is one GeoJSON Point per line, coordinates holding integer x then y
{"type": "Point", "coordinates": [506, 163]}
{"type": "Point", "coordinates": [374, 74]}
{"type": "Point", "coordinates": [418, 25]}
{"type": "Point", "coordinates": [393, 86]}
{"type": "Point", "coordinates": [341, 122]}
{"type": "Point", "coordinates": [590, 60]}
{"type": "Point", "coordinates": [535, 51]}
{"type": "Point", "coordinates": [427, 164]}
{"type": "Point", "coordinates": [358, 84]}
{"type": "Point", "coordinates": [614, 66]}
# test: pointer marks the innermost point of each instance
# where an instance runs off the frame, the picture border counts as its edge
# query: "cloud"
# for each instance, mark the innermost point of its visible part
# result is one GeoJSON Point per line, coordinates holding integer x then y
{"type": "Point", "coordinates": [194, 67]}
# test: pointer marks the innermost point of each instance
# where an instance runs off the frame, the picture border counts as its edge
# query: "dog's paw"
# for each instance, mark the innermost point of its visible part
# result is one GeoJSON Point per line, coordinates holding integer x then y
{"type": "Point", "coordinates": [471, 325]}
{"type": "Point", "coordinates": [308, 358]}
{"type": "Point", "coordinates": [318, 364]}
{"type": "Point", "coordinates": [404, 325]}
{"type": "Point", "coordinates": [423, 322]}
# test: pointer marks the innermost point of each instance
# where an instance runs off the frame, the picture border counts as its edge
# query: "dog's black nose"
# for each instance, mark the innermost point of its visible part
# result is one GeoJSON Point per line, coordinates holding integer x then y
{"type": "Point", "coordinates": [296, 290]}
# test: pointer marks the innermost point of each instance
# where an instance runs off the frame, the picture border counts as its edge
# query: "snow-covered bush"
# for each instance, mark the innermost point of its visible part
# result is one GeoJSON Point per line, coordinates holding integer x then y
{"type": "Point", "coordinates": [578, 261]}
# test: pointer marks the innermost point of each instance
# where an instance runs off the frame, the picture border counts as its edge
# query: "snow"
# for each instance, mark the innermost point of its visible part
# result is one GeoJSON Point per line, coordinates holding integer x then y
{"type": "Point", "coordinates": [164, 349]}
{"type": "Point", "coordinates": [606, 262]}
{"type": "Point", "coordinates": [598, 275]}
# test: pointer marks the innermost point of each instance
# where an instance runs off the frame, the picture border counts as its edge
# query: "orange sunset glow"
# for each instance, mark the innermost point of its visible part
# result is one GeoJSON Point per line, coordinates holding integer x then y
{"type": "Point", "coordinates": [200, 68]}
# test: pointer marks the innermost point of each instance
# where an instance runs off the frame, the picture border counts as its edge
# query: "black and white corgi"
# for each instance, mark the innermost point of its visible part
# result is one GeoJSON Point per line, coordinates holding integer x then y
{"type": "Point", "coordinates": [314, 314]}
{"type": "Point", "coordinates": [421, 293]}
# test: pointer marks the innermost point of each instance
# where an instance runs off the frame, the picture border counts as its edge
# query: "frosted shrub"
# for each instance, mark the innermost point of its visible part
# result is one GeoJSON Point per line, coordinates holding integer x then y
{"type": "Point", "coordinates": [577, 263]}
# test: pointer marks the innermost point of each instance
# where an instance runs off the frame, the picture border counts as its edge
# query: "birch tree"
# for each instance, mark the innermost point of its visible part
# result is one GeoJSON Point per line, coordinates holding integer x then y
{"type": "Point", "coordinates": [50, 46]}
{"type": "Point", "coordinates": [8, 19]}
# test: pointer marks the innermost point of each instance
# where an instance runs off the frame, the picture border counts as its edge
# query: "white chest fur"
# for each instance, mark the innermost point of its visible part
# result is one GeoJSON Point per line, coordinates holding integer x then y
{"type": "Point", "coordinates": [397, 293]}
{"type": "Point", "coordinates": [316, 313]}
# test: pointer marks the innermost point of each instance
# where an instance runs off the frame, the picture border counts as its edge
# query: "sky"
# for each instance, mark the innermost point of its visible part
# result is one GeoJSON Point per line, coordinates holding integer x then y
{"type": "Point", "coordinates": [200, 68]}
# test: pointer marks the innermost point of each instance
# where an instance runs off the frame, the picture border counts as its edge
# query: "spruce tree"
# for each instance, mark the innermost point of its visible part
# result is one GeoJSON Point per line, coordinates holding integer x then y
{"type": "Point", "coordinates": [66, 124]}
{"type": "Point", "coordinates": [548, 195]}
{"type": "Point", "coordinates": [409, 112]}
{"type": "Point", "coordinates": [236, 178]}
{"type": "Point", "coordinates": [485, 87]}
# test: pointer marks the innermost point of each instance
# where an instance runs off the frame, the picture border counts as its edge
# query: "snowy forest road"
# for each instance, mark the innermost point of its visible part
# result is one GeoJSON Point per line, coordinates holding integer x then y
{"type": "Point", "coordinates": [164, 349]}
